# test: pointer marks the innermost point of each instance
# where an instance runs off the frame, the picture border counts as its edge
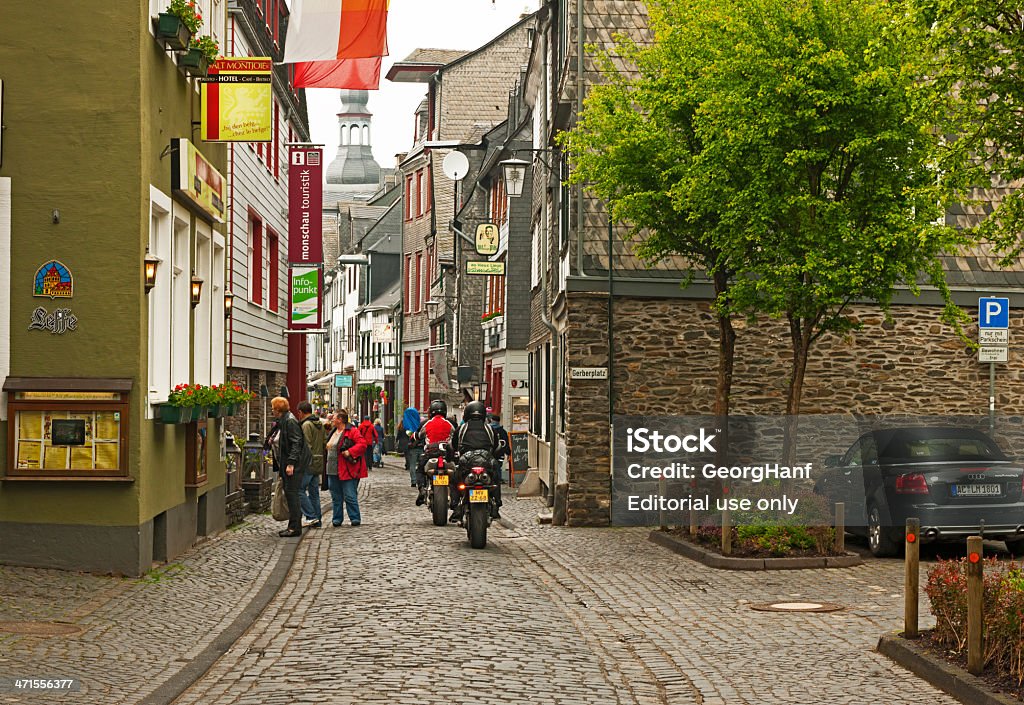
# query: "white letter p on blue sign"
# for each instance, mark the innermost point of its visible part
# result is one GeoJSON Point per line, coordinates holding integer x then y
{"type": "Point", "coordinates": [993, 312]}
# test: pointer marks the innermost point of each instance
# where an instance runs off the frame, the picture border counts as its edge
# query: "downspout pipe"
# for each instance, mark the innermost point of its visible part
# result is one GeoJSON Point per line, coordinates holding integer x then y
{"type": "Point", "coordinates": [544, 318]}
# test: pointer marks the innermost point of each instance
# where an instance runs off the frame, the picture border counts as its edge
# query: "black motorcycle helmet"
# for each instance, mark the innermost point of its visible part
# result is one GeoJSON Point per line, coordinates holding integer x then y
{"type": "Point", "coordinates": [438, 408]}
{"type": "Point", "coordinates": [475, 410]}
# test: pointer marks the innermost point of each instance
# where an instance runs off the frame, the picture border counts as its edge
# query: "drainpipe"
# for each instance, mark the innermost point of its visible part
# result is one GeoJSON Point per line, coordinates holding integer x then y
{"type": "Point", "coordinates": [544, 277]}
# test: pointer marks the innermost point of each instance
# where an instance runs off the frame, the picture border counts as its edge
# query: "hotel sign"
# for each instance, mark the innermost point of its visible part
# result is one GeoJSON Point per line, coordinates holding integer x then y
{"type": "Point", "coordinates": [305, 203]}
{"type": "Point", "coordinates": [237, 100]}
{"type": "Point", "coordinates": [197, 181]}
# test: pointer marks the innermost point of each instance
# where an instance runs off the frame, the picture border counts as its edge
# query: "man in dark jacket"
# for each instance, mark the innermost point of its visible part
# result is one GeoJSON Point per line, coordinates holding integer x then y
{"type": "Point", "coordinates": [295, 463]}
{"type": "Point", "coordinates": [476, 434]}
{"type": "Point", "coordinates": [313, 432]}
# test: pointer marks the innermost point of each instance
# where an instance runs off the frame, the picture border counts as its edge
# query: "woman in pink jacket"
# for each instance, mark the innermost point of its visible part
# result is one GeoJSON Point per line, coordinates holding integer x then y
{"type": "Point", "coordinates": [351, 469]}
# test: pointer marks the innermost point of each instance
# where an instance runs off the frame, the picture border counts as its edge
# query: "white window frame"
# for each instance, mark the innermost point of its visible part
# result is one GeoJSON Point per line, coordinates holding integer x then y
{"type": "Point", "coordinates": [159, 299]}
{"type": "Point", "coordinates": [180, 271]}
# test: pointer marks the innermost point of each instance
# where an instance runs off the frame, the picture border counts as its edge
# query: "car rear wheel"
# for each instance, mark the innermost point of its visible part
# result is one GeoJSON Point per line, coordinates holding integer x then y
{"type": "Point", "coordinates": [1015, 547]}
{"type": "Point", "coordinates": [879, 537]}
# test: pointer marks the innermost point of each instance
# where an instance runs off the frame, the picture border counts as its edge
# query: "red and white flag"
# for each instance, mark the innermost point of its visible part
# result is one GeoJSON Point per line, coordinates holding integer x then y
{"type": "Point", "coordinates": [347, 73]}
{"type": "Point", "coordinates": [329, 30]}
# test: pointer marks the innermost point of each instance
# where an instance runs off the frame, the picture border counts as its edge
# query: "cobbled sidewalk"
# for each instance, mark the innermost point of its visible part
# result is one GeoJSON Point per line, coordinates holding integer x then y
{"type": "Point", "coordinates": [136, 633]}
{"type": "Point", "coordinates": [400, 611]}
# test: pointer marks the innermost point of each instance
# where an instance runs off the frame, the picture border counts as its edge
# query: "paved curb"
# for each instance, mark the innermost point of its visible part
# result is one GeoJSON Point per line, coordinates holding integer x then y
{"type": "Point", "coordinates": [173, 687]}
{"type": "Point", "coordinates": [947, 677]}
{"type": "Point", "coordinates": [715, 560]}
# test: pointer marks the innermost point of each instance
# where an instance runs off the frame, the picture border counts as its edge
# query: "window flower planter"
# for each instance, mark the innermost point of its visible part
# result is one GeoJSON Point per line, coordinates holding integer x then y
{"type": "Point", "coordinates": [168, 413]}
{"type": "Point", "coordinates": [194, 62]}
{"type": "Point", "coordinates": [216, 411]}
{"type": "Point", "coordinates": [172, 31]}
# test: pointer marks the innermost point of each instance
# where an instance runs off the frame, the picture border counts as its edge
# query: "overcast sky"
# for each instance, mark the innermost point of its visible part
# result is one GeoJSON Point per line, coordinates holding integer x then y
{"type": "Point", "coordinates": [412, 24]}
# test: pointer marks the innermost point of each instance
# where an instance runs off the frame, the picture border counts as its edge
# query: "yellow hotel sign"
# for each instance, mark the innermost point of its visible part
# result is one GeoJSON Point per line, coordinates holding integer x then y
{"type": "Point", "coordinates": [237, 100]}
{"type": "Point", "coordinates": [492, 268]}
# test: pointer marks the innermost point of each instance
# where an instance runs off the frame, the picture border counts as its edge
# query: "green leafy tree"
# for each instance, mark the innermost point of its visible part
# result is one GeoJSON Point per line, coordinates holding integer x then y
{"type": "Point", "coordinates": [975, 65]}
{"type": "Point", "coordinates": [782, 146]}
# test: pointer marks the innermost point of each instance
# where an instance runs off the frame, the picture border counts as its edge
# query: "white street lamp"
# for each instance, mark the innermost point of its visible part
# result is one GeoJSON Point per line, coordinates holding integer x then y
{"type": "Point", "coordinates": [514, 171]}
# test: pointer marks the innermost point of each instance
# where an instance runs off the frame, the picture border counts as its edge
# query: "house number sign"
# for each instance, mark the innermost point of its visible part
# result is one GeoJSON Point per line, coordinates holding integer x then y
{"type": "Point", "coordinates": [58, 322]}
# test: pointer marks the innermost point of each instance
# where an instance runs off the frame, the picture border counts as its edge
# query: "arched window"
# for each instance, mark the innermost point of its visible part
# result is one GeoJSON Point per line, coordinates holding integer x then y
{"type": "Point", "coordinates": [354, 134]}
{"type": "Point", "coordinates": [366, 134]}
{"type": "Point", "coordinates": [344, 135]}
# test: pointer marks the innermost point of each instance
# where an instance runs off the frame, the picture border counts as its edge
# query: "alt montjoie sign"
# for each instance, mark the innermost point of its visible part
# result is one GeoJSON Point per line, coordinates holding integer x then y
{"type": "Point", "coordinates": [304, 297]}
{"type": "Point", "coordinates": [237, 100]}
{"type": "Point", "coordinates": [305, 201]}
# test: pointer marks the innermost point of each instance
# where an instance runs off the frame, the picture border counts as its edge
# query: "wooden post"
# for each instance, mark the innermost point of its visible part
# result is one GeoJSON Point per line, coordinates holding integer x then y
{"type": "Point", "coordinates": [975, 613]}
{"type": "Point", "coordinates": [911, 577]}
{"type": "Point", "coordinates": [840, 527]}
{"type": "Point", "coordinates": [726, 533]}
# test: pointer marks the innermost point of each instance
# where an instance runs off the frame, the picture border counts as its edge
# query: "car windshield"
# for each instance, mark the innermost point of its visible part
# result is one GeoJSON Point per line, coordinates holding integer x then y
{"type": "Point", "coordinates": [935, 445]}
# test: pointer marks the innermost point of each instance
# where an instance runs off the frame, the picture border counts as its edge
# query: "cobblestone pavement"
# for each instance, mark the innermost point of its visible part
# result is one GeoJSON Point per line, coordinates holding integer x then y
{"type": "Point", "coordinates": [135, 633]}
{"type": "Point", "coordinates": [397, 611]}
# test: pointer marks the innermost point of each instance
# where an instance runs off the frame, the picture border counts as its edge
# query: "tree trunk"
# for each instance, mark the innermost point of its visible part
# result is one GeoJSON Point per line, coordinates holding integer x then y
{"type": "Point", "coordinates": [800, 332]}
{"type": "Point", "coordinates": [726, 361]}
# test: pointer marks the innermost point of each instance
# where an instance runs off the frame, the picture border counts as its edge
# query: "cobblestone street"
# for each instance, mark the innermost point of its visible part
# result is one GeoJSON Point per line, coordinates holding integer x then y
{"type": "Point", "coordinates": [396, 611]}
{"type": "Point", "coordinates": [400, 611]}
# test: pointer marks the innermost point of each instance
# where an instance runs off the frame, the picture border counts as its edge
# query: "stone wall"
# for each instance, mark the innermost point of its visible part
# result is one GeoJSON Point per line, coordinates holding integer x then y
{"type": "Point", "coordinates": [251, 380]}
{"type": "Point", "coordinates": [666, 357]}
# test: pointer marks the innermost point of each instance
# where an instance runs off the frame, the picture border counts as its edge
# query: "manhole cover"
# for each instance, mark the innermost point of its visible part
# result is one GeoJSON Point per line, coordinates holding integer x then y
{"type": "Point", "coordinates": [796, 607]}
{"type": "Point", "coordinates": [39, 628]}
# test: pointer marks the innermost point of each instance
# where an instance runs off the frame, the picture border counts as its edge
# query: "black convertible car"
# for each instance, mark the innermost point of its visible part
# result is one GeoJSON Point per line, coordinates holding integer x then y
{"type": "Point", "coordinates": [955, 480]}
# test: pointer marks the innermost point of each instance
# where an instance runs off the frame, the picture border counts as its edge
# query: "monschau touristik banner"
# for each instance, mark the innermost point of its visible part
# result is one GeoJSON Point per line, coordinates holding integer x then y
{"type": "Point", "coordinates": [305, 200]}
{"type": "Point", "coordinates": [304, 298]}
{"type": "Point", "coordinates": [237, 100]}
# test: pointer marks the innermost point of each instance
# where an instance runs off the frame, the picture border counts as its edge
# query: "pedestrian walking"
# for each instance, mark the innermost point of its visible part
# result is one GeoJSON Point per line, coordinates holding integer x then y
{"type": "Point", "coordinates": [370, 435]}
{"type": "Point", "coordinates": [378, 447]}
{"type": "Point", "coordinates": [313, 432]}
{"type": "Point", "coordinates": [351, 451]}
{"type": "Point", "coordinates": [293, 459]}
{"type": "Point", "coordinates": [406, 443]}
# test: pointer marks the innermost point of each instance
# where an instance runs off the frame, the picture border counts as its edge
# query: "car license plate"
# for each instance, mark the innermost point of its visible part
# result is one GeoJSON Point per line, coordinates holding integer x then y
{"type": "Point", "coordinates": [440, 479]}
{"type": "Point", "coordinates": [478, 495]}
{"type": "Point", "coordinates": [977, 490]}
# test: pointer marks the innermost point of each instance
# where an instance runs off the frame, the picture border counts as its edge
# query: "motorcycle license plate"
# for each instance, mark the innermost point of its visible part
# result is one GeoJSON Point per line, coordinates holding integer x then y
{"type": "Point", "coordinates": [440, 480]}
{"type": "Point", "coordinates": [478, 495]}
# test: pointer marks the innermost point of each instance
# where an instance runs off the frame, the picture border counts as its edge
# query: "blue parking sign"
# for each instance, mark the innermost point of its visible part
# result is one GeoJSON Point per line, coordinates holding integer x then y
{"type": "Point", "coordinates": [993, 312]}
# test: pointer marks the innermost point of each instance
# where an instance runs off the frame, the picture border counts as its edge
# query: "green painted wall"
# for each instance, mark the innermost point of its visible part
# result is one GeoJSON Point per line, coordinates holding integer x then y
{"type": "Point", "coordinates": [86, 125]}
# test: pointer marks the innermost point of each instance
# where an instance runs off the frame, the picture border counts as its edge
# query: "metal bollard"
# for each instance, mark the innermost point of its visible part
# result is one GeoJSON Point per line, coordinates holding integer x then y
{"type": "Point", "coordinates": [726, 533]}
{"type": "Point", "coordinates": [975, 612]}
{"type": "Point", "coordinates": [911, 578]}
{"type": "Point", "coordinates": [693, 512]}
{"type": "Point", "coordinates": [662, 524]}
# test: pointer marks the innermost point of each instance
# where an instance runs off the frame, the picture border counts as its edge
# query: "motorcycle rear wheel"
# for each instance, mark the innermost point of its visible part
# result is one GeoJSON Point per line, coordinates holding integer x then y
{"type": "Point", "coordinates": [477, 526]}
{"type": "Point", "coordinates": [439, 507]}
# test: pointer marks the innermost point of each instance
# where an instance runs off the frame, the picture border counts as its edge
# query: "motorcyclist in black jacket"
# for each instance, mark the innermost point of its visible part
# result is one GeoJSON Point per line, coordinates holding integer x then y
{"type": "Point", "coordinates": [475, 433]}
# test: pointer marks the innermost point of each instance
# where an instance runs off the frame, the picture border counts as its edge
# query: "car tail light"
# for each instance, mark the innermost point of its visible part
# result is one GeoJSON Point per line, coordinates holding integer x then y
{"type": "Point", "coordinates": [914, 483]}
{"type": "Point", "coordinates": [478, 471]}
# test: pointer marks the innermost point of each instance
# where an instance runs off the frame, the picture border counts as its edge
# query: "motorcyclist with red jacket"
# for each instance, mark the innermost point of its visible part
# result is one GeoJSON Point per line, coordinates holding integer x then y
{"type": "Point", "coordinates": [435, 431]}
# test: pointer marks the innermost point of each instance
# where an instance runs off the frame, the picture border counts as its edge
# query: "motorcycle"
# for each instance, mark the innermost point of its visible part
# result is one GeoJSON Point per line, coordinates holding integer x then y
{"type": "Point", "coordinates": [476, 492]}
{"type": "Point", "coordinates": [439, 473]}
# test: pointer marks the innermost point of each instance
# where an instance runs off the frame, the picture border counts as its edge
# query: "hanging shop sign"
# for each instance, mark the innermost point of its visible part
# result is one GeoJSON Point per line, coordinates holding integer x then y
{"type": "Point", "coordinates": [197, 181]}
{"type": "Point", "coordinates": [305, 203]}
{"type": "Point", "coordinates": [304, 297]}
{"type": "Point", "coordinates": [54, 279]}
{"type": "Point", "coordinates": [59, 322]}
{"type": "Point", "coordinates": [343, 381]}
{"type": "Point", "coordinates": [237, 100]}
{"type": "Point", "coordinates": [492, 268]}
{"type": "Point", "coordinates": [382, 333]}
{"type": "Point", "coordinates": [487, 239]}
